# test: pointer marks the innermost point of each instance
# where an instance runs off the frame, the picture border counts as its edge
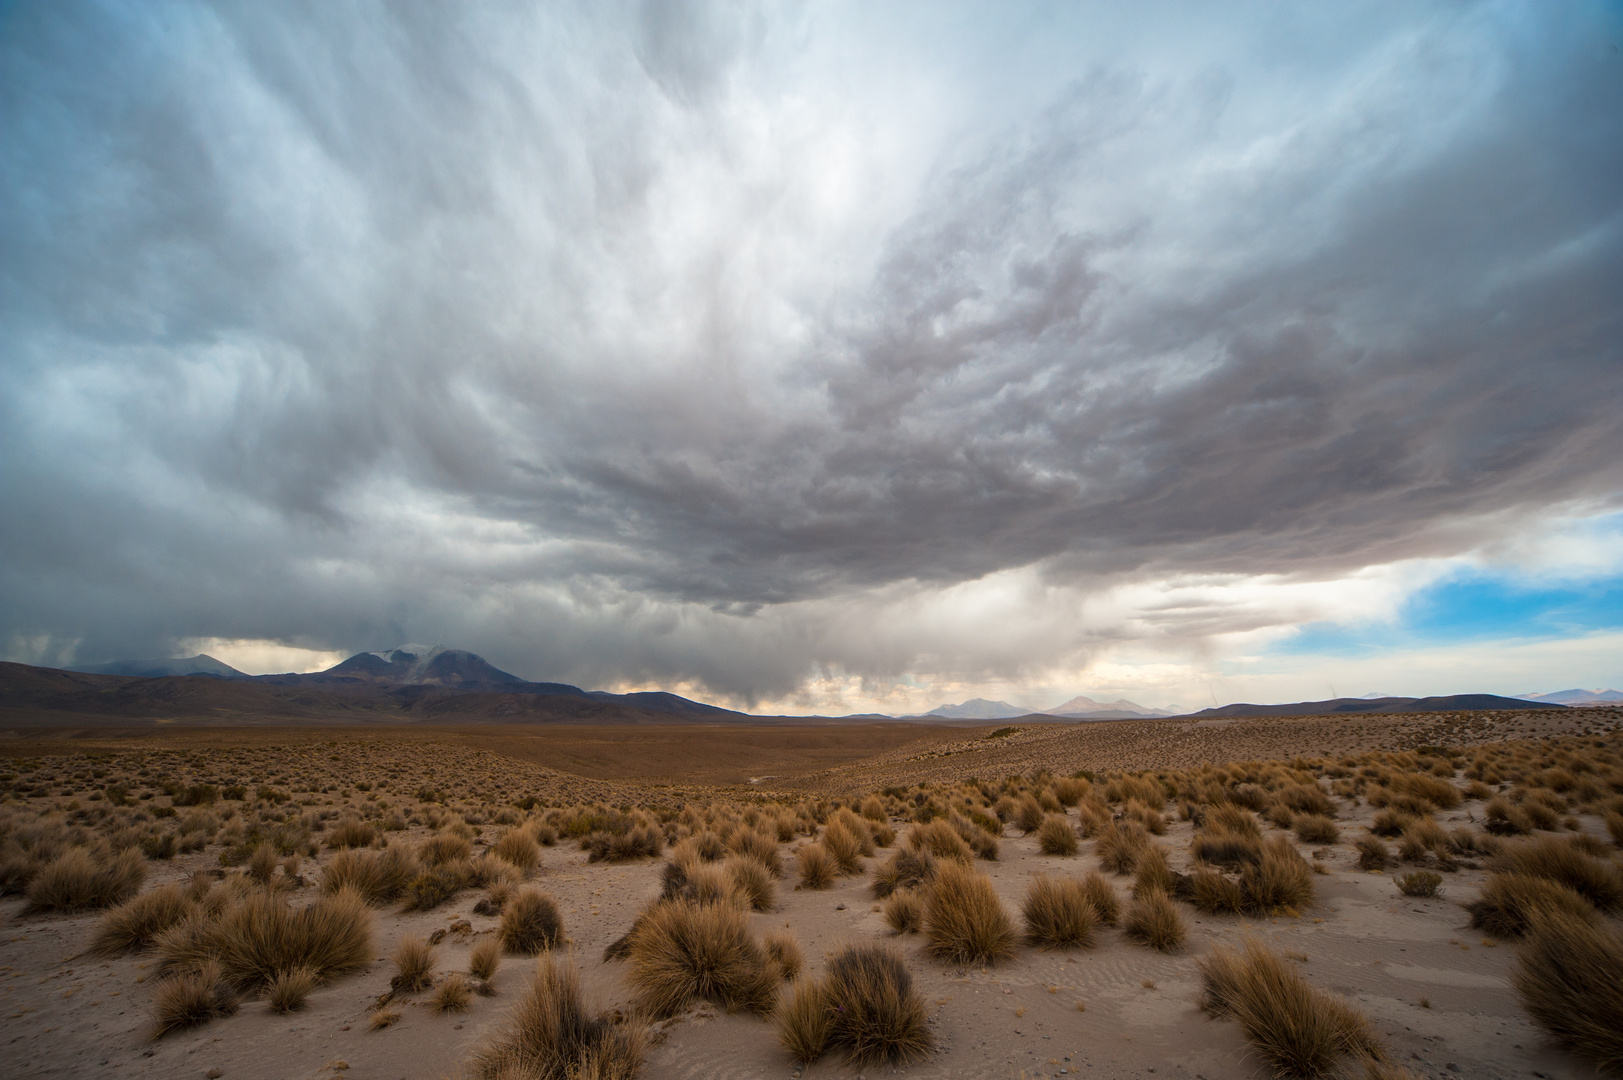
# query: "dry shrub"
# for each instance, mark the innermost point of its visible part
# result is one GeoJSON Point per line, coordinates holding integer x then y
{"type": "Point", "coordinates": [1390, 823]}
{"type": "Point", "coordinates": [1566, 976]}
{"type": "Point", "coordinates": [1316, 829]}
{"type": "Point", "coordinates": [758, 846]}
{"type": "Point", "coordinates": [1211, 892]}
{"type": "Point", "coordinates": [134, 924]}
{"type": "Point", "coordinates": [1505, 818]}
{"type": "Point", "coordinates": [1419, 883]}
{"type": "Point", "coordinates": [381, 1018]}
{"type": "Point", "coordinates": [1055, 836]}
{"type": "Point", "coordinates": [518, 849]}
{"type": "Point", "coordinates": [906, 869]}
{"type": "Point", "coordinates": [1145, 815]}
{"type": "Point", "coordinates": [1102, 895]}
{"type": "Point", "coordinates": [435, 885]}
{"type": "Point", "coordinates": [1600, 882]}
{"type": "Point", "coordinates": [352, 832]}
{"type": "Point", "coordinates": [844, 846]}
{"type": "Point", "coordinates": [964, 920]}
{"type": "Point", "coordinates": [485, 958]}
{"type": "Point", "coordinates": [1234, 848]}
{"type": "Point", "coordinates": [1058, 914]}
{"type": "Point", "coordinates": [78, 880]}
{"type": "Point", "coordinates": [1028, 813]}
{"type": "Point", "coordinates": [904, 912]}
{"type": "Point", "coordinates": [1153, 872]}
{"type": "Point", "coordinates": [1311, 799]}
{"type": "Point", "coordinates": [287, 991]}
{"type": "Point", "coordinates": [941, 841]}
{"type": "Point", "coordinates": [1297, 1029]}
{"type": "Point", "coordinates": [1510, 902]}
{"type": "Point", "coordinates": [684, 951]}
{"type": "Point", "coordinates": [1120, 846]}
{"type": "Point", "coordinates": [256, 937]}
{"type": "Point", "coordinates": [751, 882]}
{"type": "Point", "coordinates": [815, 866]}
{"type": "Point", "coordinates": [865, 1005]}
{"type": "Point", "coordinates": [191, 998]}
{"type": "Point", "coordinates": [1614, 826]}
{"type": "Point", "coordinates": [530, 923]}
{"type": "Point", "coordinates": [414, 965]}
{"type": "Point", "coordinates": [785, 953]}
{"type": "Point", "coordinates": [380, 877]}
{"type": "Point", "coordinates": [1231, 818]}
{"type": "Point", "coordinates": [872, 808]}
{"type": "Point", "coordinates": [455, 994]}
{"type": "Point", "coordinates": [1153, 919]}
{"type": "Point", "coordinates": [445, 847]}
{"type": "Point", "coordinates": [1372, 853]}
{"type": "Point", "coordinates": [1282, 881]}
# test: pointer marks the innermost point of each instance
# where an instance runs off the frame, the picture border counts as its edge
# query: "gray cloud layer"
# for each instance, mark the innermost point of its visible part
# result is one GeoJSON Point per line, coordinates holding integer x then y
{"type": "Point", "coordinates": [681, 342]}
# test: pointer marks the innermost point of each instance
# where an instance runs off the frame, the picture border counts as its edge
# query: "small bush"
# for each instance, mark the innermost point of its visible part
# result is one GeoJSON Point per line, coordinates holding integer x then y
{"type": "Point", "coordinates": [352, 832]}
{"type": "Point", "coordinates": [904, 912]}
{"type": "Point", "coordinates": [552, 1035]}
{"type": "Point", "coordinates": [1419, 883]}
{"type": "Point", "coordinates": [453, 995]}
{"type": "Point", "coordinates": [414, 965]}
{"type": "Point", "coordinates": [257, 936]}
{"type": "Point", "coordinates": [1372, 853]}
{"type": "Point", "coordinates": [1058, 914]}
{"type": "Point", "coordinates": [1102, 895]}
{"type": "Point", "coordinates": [1510, 902]}
{"type": "Point", "coordinates": [865, 1005]}
{"type": "Point", "coordinates": [1055, 836]}
{"type": "Point", "coordinates": [964, 921]}
{"type": "Point", "coordinates": [908, 868]}
{"type": "Point", "coordinates": [1316, 829]}
{"type": "Point", "coordinates": [1282, 881]}
{"type": "Point", "coordinates": [485, 958]}
{"type": "Point", "coordinates": [1297, 1029]}
{"type": "Point", "coordinates": [1566, 976]}
{"type": "Point", "coordinates": [518, 849]}
{"type": "Point", "coordinates": [380, 877]}
{"type": "Point", "coordinates": [1599, 882]}
{"type": "Point", "coordinates": [78, 880]}
{"type": "Point", "coordinates": [816, 867]}
{"type": "Point", "coordinates": [751, 882]}
{"type": "Point", "coordinates": [684, 951]}
{"type": "Point", "coordinates": [530, 923]}
{"type": "Point", "coordinates": [136, 923]}
{"type": "Point", "coordinates": [1153, 920]}
{"type": "Point", "coordinates": [191, 998]}
{"type": "Point", "coordinates": [784, 952]}
{"type": "Point", "coordinates": [288, 989]}
{"type": "Point", "coordinates": [1120, 846]}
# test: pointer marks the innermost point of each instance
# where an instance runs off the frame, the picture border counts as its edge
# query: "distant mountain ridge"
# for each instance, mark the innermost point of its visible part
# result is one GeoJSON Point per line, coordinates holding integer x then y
{"type": "Point", "coordinates": [979, 709]}
{"type": "Point", "coordinates": [1447, 703]}
{"type": "Point", "coordinates": [1078, 708]}
{"type": "Point", "coordinates": [201, 664]}
{"type": "Point", "coordinates": [1579, 697]}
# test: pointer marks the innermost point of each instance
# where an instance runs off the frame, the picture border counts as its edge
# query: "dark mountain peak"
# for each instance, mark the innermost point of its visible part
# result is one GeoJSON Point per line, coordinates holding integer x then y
{"type": "Point", "coordinates": [201, 664]}
{"type": "Point", "coordinates": [424, 665]}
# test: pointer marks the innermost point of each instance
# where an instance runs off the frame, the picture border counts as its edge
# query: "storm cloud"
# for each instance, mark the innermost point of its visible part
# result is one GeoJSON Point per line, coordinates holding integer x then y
{"type": "Point", "coordinates": [758, 349]}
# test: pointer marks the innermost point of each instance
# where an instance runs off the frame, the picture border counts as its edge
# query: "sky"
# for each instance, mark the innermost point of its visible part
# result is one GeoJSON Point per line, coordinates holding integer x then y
{"type": "Point", "coordinates": [821, 357]}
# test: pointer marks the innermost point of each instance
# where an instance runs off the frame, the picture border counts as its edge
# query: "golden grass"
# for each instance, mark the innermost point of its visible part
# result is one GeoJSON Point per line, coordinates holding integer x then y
{"type": "Point", "coordinates": [1297, 1029]}
{"type": "Point", "coordinates": [1281, 881]}
{"type": "Point", "coordinates": [904, 911]}
{"type": "Point", "coordinates": [137, 922]}
{"type": "Point", "coordinates": [381, 877]}
{"type": "Point", "coordinates": [1509, 903]}
{"type": "Point", "coordinates": [1102, 895]}
{"type": "Point", "coordinates": [455, 994]}
{"type": "Point", "coordinates": [530, 923]}
{"type": "Point", "coordinates": [258, 936]}
{"type": "Point", "coordinates": [1058, 914]}
{"type": "Point", "coordinates": [1601, 883]}
{"type": "Point", "coordinates": [908, 868]}
{"type": "Point", "coordinates": [288, 990]}
{"type": "Point", "coordinates": [1316, 829]}
{"type": "Point", "coordinates": [414, 965]}
{"type": "Point", "coordinates": [1153, 872]}
{"type": "Point", "coordinates": [758, 846]}
{"type": "Point", "coordinates": [1372, 853]}
{"type": "Point", "coordinates": [552, 1034]}
{"type": "Point", "coordinates": [844, 846]}
{"type": "Point", "coordinates": [815, 866]}
{"type": "Point", "coordinates": [684, 951]}
{"type": "Point", "coordinates": [751, 882]}
{"type": "Point", "coordinates": [190, 998]}
{"type": "Point", "coordinates": [1419, 883]}
{"type": "Point", "coordinates": [865, 1005]}
{"type": "Point", "coordinates": [1153, 919]}
{"type": "Point", "coordinates": [941, 841]}
{"type": "Point", "coordinates": [352, 832]}
{"type": "Point", "coordinates": [485, 958]}
{"type": "Point", "coordinates": [519, 849]}
{"type": "Point", "coordinates": [964, 921]}
{"type": "Point", "coordinates": [1055, 836]}
{"type": "Point", "coordinates": [1567, 977]}
{"type": "Point", "coordinates": [785, 953]}
{"type": "Point", "coordinates": [79, 880]}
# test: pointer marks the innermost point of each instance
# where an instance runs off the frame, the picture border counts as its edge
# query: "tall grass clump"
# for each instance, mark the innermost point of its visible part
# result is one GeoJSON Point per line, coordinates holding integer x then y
{"type": "Point", "coordinates": [530, 923]}
{"type": "Point", "coordinates": [78, 880]}
{"type": "Point", "coordinates": [1600, 882]}
{"type": "Point", "coordinates": [1055, 835]}
{"type": "Point", "coordinates": [1509, 903]}
{"type": "Point", "coordinates": [1567, 977]}
{"type": "Point", "coordinates": [1058, 914]}
{"type": "Point", "coordinates": [414, 965]}
{"type": "Point", "coordinates": [816, 867]}
{"type": "Point", "coordinates": [864, 1005]}
{"type": "Point", "coordinates": [1102, 895]}
{"type": "Point", "coordinates": [259, 936]}
{"type": "Point", "coordinates": [190, 998]}
{"type": "Point", "coordinates": [136, 923]}
{"type": "Point", "coordinates": [964, 921]}
{"type": "Point", "coordinates": [518, 848]}
{"type": "Point", "coordinates": [552, 1034]}
{"type": "Point", "coordinates": [380, 877]}
{"type": "Point", "coordinates": [1153, 920]}
{"type": "Point", "coordinates": [1300, 1031]}
{"type": "Point", "coordinates": [684, 951]}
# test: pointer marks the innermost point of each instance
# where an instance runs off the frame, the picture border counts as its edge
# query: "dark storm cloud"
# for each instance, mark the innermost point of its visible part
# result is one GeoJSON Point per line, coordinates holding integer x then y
{"type": "Point", "coordinates": [544, 334]}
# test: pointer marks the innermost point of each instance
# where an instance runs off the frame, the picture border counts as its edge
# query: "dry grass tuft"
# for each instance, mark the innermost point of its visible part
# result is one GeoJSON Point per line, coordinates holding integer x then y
{"type": "Point", "coordinates": [518, 849]}
{"type": "Point", "coordinates": [751, 882]}
{"type": "Point", "coordinates": [1153, 920]}
{"type": "Point", "coordinates": [1510, 902]}
{"type": "Point", "coordinates": [485, 958]}
{"type": "Point", "coordinates": [964, 921]}
{"type": "Point", "coordinates": [1058, 914]}
{"type": "Point", "coordinates": [1372, 853]}
{"type": "Point", "coordinates": [683, 951]}
{"type": "Point", "coordinates": [1120, 846]}
{"type": "Point", "coordinates": [191, 998]}
{"type": "Point", "coordinates": [79, 880]}
{"type": "Point", "coordinates": [908, 868]}
{"type": "Point", "coordinates": [530, 923]}
{"type": "Point", "coordinates": [551, 1034]}
{"type": "Point", "coordinates": [1297, 1029]}
{"type": "Point", "coordinates": [258, 936]}
{"type": "Point", "coordinates": [383, 1018]}
{"type": "Point", "coordinates": [785, 953]}
{"type": "Point", "coordinates": [1102, 895]}
{"type": "Point", "coordinates": [1281, 881]}
{"type": "Point", "coordinates": [865, 1005]}
{"type": "Point", "coordinates": [815, 866]}
{"type": "Point", "coordinates": [455, 994]}
{"type": "Point", "coordinates": [1566, 976]}
{"type": "Point", "coordinates": [1316, 829]}
{"type": "Point", "coordinates": [941, 841]}
{"type": "Point", "coordinates": [136, 923]}
{"type": "Point", "coordinates": [1554, 860]}
{"type": "Point", "coordinates": [1419, 883]}
{"type": "Point", "coordinates": [287, 991]}
{"type": "Point", "coordinates": [414, 965]}
{"type": "Point", "coordinates": [380, 877]}
{"type": "Point", "coordinates": [1211, 892]}
{"type": "Point", "coordinates": [1055, 836]}
{"type": "Point", "coordinates": [904, 912]}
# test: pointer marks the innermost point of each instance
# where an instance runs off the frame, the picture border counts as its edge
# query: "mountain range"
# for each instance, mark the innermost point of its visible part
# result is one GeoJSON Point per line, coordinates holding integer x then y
{"type": "Point", "coordinates": [1078, 708]}
{"type": "Point", "coordinates": [1579, 697]}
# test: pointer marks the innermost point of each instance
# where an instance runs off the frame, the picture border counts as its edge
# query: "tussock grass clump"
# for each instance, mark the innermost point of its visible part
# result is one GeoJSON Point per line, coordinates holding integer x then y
{"type": "Point", "coordinates": [485, 958]}
{"type": "Point", "coordinates": [908, 868]}
{"type": "Point", "coordinates": [1120, 846]}
{"type": "Point", "coordinates": [964, 921]}
{"type": "Point", "coordinates": [1419, 883]}
{"type": "Point", "coordinates": [552, 1034]}
{"type": "Point", "coordinates": [1599, 882]}
{"type": "Point", "coordinates": [445, 847]}
{"type": "Point", "coordinates": [136, 923]}
{"type": "Point", "coordinates": [530, 923]}
{"type": "Point", "coordinates": [435, 885]}
{"type": "Point", "coordinates": [758, 846]}
{"type": "Point", "coordinates": [1311, 799]}
{"type": "Point", "coordinates": [844, 846]}
{"type": "Point", "coordinates": [1211, 892]}
{"type": "Point", "coordinates": [414, 965]}
{"type": "Point", "coordinates": [380, 877]}
{"type": "Point", "coordinates": [1058, 914]}
{"type": "Point", "coordinates": [1153, 919]}
{"type": "Point", "coordinates": [940, 840]}
{"type": "Point", "coordinates": [904, 912]}
{"type": "Point", "coordinates": [191, 998]}
{"type": "Point", "coordinates": [1372, 853]}
{"type": "Point", "coordinates": [1566, 976]}
{"type": "Point", "coordinates": [518, 849]}
{"type": "Point", "coordinates": [1102, 895]}
{"type": "Point", "coordinates": [79, 880]}
{"type": "Point", "coordinates": [1297, 1029]}
{"type": "Point", "coordinates": [258, 936]}
{"type": "Point", "coordinates": [1316, 829]}
{"type": "Point", "coordinates": [815, 866]}
{"type": "Point", "coordinates": [751, 882]}
{"type": "Point", "coordinates": [684, 951]}
{"type": "Point", "coordinates": [1282, 880]}
{"type": "Point", "coordinates": [1055, 836]}
{"type": "Point", "coordinates": [1153, 873]}
{"type": "Point", "coordinates": [1614, 826]}
{"type": "Point", "coordinates": [352, 832]}
{"type": "Point", "coordinates": [455, 994]}
{"type": "Point", "coordinates": [1510, 902]}
{"type": "Point", "coordinates": [288, 990]}
{"type": "Point", "coordinates": [785, 953]}
{"type": "Point", "coordinates": [865, 1005]}
{"type": "Point", "coordinates": [1232, 848]}
{"type": "Point", "coordinates": [1505, 818]}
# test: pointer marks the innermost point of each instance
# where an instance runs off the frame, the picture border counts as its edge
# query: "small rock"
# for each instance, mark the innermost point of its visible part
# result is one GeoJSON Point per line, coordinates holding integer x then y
{"type": "Point", "coordinates": [214, 1074]}
{"type": "Point", "coordinates": [840, 907]}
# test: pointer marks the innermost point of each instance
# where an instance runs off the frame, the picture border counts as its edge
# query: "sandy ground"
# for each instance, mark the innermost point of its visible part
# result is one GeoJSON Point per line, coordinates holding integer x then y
{"type": "Point", "coordinates": [1437, 992]}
